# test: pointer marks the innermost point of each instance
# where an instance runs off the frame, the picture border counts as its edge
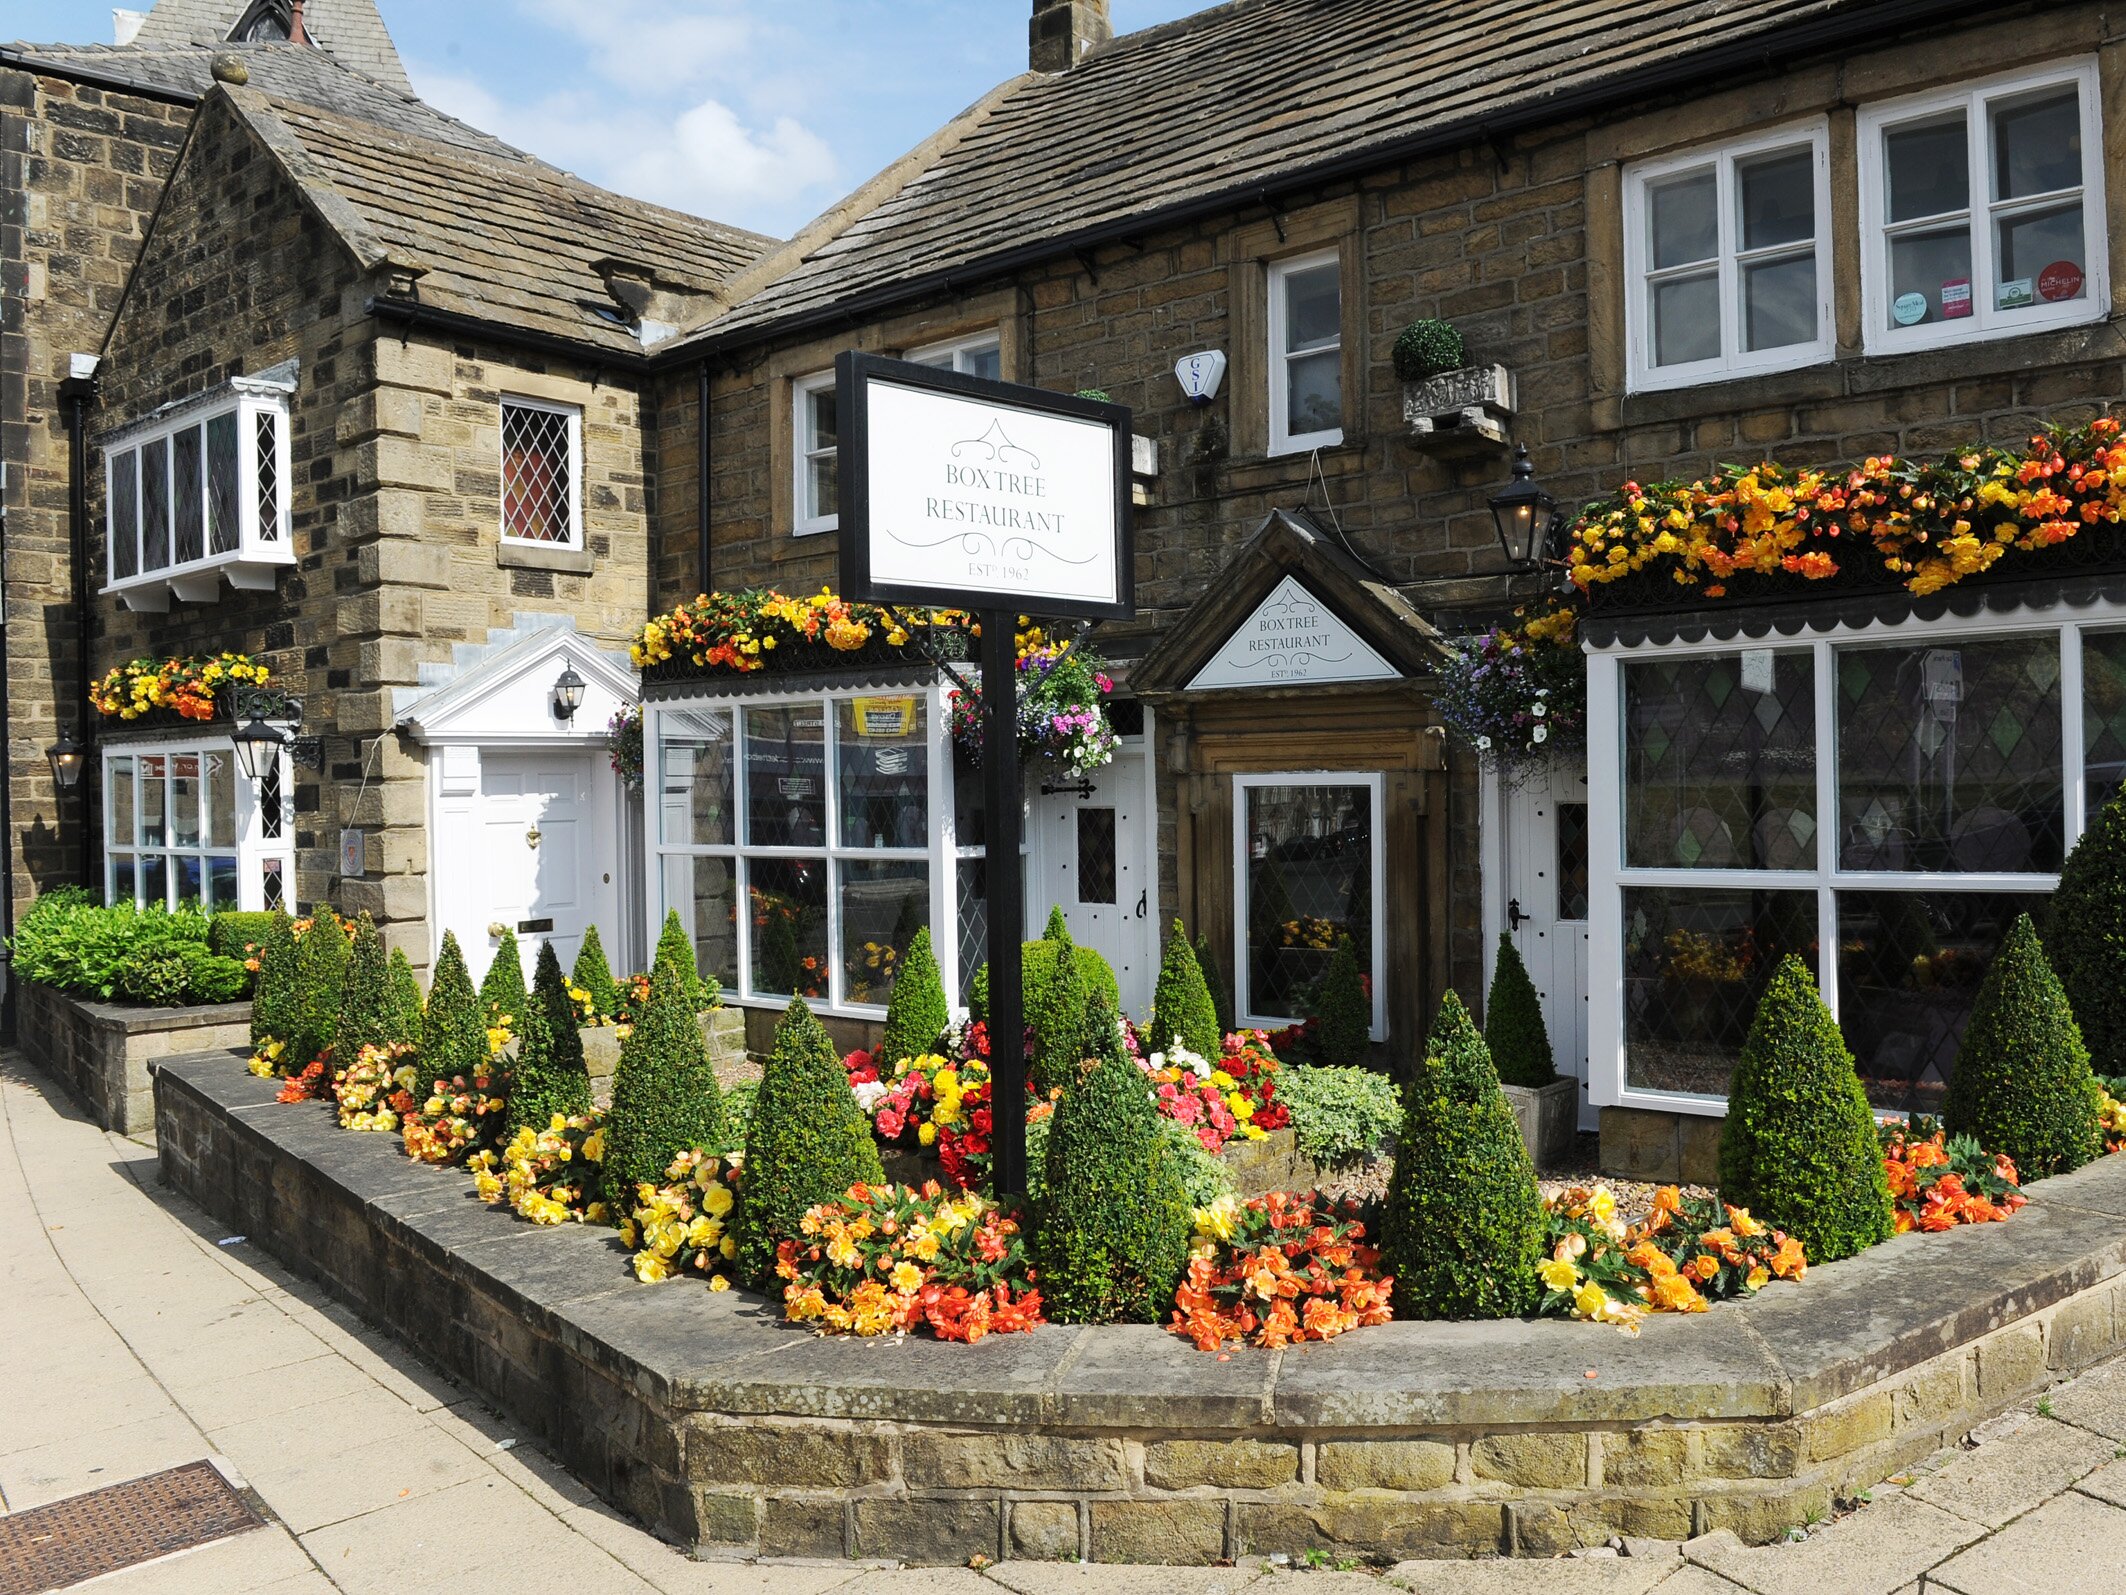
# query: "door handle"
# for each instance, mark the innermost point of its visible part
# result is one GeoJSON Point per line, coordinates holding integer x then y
{"type": "Point", "coordinates": [1142, 898]}
{"type": "Point", "coordinates": [1514, 916]}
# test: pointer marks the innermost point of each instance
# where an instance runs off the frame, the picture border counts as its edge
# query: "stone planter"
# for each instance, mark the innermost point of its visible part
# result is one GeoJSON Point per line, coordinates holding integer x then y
{"type": "Point", "coordinates": [1465, 408]}
{"type": "Point", "coordinates": [723, 1028]}
{"type": "Point", "coordinates": [101, 1051]}
{"type": "Point", "coordinates": [1548, 1115]}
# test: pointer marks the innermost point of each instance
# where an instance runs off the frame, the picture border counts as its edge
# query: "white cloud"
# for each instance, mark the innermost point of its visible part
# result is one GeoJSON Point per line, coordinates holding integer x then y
{"type": "Point", "coordinates": [711, 163]}
{"type": "Point", "coordinates": [649, 46]}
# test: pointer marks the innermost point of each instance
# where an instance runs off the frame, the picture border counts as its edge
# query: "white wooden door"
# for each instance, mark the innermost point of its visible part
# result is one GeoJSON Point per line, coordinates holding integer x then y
{"type": "Point", "coordinates": [1091, 856]}
{"type": "Point", "coordinates": [547, 853]}
{"type": "Point", "coordinates": [1545, 852]}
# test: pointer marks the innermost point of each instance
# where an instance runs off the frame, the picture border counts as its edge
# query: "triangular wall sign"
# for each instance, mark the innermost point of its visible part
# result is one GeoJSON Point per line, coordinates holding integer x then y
{"type": "Point", "coordinates": [1292, 637]}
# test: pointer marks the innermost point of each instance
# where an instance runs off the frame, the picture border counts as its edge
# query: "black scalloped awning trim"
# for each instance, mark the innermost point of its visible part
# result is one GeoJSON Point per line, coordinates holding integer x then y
{"type": "Point", "coordinates": [1794, 617]}
{"type": "Point", "coordinates": [658, 686]}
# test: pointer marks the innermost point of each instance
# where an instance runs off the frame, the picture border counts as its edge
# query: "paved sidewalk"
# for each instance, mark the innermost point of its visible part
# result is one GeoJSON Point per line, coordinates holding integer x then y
{"type": "Point", "coordinates": [134, 1342]}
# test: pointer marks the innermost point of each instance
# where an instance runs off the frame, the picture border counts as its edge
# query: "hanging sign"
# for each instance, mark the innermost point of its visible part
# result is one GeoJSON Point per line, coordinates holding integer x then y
{"type": "Point", "coordinates": [960, 491]}
{"type": "Point", "coordinates": [1292, 637]}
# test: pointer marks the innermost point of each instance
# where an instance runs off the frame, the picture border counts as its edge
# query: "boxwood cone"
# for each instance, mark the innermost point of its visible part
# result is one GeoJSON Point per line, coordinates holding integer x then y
{"type": "Point", "coordinates": [1221, 990]}
{"type": "Point", "coordinates": [2022, 1084]}
{"type": "Point", "coordinates": [1037, 967]}
{"type": "Point", "coordinates": [273, 997]}
{"type": "Point", "coordinates": [1513, 1023]}
{"type": "Point", "coordinates": [2086, 938]}
{"type": "Point", "coordinates": [1463, 1227]}
{"type": "Point", "coordinates": [593, 974]}
{"type": "Point", "coordinates": [675, 948]}
{"type": "Point", "coordinates": [1799, 1148]}
{"type": "Point", "coordinates": [665, 1097]}
{"type": "Point", "coordinates": [808, 1142]}
{"type": "Point", "coordinates": [551, 1076]}
{"type": "Point", "coordinates": [454, 1025]}
{"type": "Point", "coordinates": [320, 966]}
{"type": "Point", "coordinates": [1342, 1014]}
{"type": "Point", "coordinates": [1112, 1228]}
{"type": "Point", "coordinates": [1056, 1013]}
{"type": "Point", "coordinates": [916, 1013]}
{"type": "Point", "coordinates": [405, 1001]}
{"type": "Point", "coordinates": [502, 990]}
{"type": "Point", "coordinates": [1181, 1003]}
{"type": "Point", "coordinates": [366, 1018]}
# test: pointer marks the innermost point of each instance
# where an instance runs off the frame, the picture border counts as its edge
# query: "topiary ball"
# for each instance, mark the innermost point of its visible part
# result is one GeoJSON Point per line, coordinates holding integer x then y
{"type": "Point", "coordinates": [1426, 348]}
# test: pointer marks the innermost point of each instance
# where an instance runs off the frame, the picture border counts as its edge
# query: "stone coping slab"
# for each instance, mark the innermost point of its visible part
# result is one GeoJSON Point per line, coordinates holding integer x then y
{"type": "Point", "coordinates": [1797, 1383]}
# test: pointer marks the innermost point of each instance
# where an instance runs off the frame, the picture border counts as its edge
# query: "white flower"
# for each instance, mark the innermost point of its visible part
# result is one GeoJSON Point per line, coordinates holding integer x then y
{"type": "Point", "coordinates": [869, 1093]}
{"type": "Point", "coordinates": [1483, 744]}
{"type": "Point", "coordinates": [1542, 692]}
{"type": "Point", "coordinates": [1539, 710]}
{"type": "Point", "coordinates": [1542, 734]}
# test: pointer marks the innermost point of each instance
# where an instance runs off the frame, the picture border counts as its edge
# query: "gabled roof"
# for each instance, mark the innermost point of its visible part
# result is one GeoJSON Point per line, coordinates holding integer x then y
{"type": "Point", "coordinates": [1220, 109]}
{"type": "Point", "coordinates": [351, 31]}
{"type": "Point", "coordinates": [487, 230]}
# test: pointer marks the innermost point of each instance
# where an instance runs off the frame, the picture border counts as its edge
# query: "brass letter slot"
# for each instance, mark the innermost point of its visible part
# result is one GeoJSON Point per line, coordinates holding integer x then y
{"type": "Point", "coordinates": [539, 927]}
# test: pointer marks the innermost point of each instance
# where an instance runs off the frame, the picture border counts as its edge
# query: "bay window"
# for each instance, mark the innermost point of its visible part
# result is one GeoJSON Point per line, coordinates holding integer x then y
{"type": "Point", "coordinates": [1982, 210]}
{"type": "Point", "coordinates": [182, 825]}
{"type": "Point", "coordinates": [1307, 874]}
{"type": "Point", "coordinates": [1881, 804]}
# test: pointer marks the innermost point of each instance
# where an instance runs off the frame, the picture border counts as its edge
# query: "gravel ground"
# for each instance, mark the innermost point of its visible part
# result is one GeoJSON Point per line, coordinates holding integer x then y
{"type": "Point", "coordinates": [1635, 1198]}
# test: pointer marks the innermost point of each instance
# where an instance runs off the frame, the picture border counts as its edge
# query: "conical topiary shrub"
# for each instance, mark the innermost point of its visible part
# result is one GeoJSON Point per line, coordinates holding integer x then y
{"type": "Point", "coordinates": [1463, 1227]}
{"type": "Point", "coordinates": [665, 1097]}
{"type": "Point", "coordinates": [2022, 1084]}
{"type": "Point", "coordinates": [675, 948]}
{"type": "Point", "coordinates": [551, 1076]}
{"type": "Point", "coordinates": [808, 1141]}
{"type": "Point", "coordinates": [593, 974]}
{"type": "Point", "coordinates": [1181, 1003]}
{"type": "Point", "coordinates": [366, 1017]}
{"type": "Point", "coordinates": [1799, 1148]}
{"type": "Point", "coordinates": [1221, 990]}
{"type": "Point", "coordinates": [916, 1013]}
{"type": "Point", "coordinates": [2086, 938]}
{"type": "Point", "coordinates": [502, 989]}
{"type": "Point", "coordinates": [1112, 1228]}
{"type": "Point", "coordinates": [1058, 927]}
{"type": "Point", "coordinates": [273, 996]}
{"type": "Point", "coordinates": [454, 1025]}
{"type": "Point", "coordinates": [320, 967]}
{"type": "Point", "coordinates": [1342, 1016]}
{"type": "Point", "coordinates": [1513, 1023]}
{"type": "Point", "coordinates": [1056, 1011]}
{"type": "Point", "coordinates": [405, 1000]}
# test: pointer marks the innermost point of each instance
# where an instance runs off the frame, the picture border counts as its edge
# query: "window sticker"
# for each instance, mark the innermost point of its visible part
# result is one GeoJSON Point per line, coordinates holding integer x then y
{"type": "Point", "coordinates": [1955, 298]}
{"type": "Point", "coordinates": [1909, 309]}
{"type": "Point", "coordinates": [2060, 280]}
{"type": "Point", "coordinates": [2014, 294]}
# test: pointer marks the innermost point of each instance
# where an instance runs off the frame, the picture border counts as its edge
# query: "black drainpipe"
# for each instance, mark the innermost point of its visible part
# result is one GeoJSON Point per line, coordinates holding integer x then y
{"type": "Point", "coordinates": [704, 559]}
{"type": "Point", "coordinates": [77, 394]}
{"type": "Point", "coordinates": [7, 796]}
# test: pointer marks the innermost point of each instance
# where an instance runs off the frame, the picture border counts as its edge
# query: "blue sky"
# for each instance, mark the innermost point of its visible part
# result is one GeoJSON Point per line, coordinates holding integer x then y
{"type": "Point", "coordinates": [755, 112]}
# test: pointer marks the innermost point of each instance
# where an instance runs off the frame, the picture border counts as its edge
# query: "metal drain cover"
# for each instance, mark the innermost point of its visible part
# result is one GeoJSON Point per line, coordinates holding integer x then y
{"type": "Point", "coordinates": [85, 1536]}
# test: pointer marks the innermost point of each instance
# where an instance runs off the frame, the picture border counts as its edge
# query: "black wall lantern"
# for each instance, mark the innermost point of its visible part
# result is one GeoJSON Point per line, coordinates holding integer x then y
{"type": "Point", "coordinates": [1527, 518]}
{"type": "Point", "coordinates": [259, 743]}
{"type": "Point", "coordinates": [568, 692]}
{"type": "Point", "coordinates": [69, 756]}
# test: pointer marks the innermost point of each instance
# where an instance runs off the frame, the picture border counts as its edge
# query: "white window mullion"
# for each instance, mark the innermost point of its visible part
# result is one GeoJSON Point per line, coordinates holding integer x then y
{"type": "Point", "coordinates": [2073, 743]}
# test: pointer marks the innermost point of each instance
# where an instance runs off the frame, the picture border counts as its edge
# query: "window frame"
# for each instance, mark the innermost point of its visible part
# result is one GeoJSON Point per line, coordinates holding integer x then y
{"type": "Point", "coordinates": [1282, 440]}
{"type": "Point", "coordinates": [1640, 177]}
{"type": "Point", "coordinates": [804, 449]}
{"type": "Point", "coordinates": [572, 414]}
{"type": "Point", "coordinates": [1986, 321]}
{"type": "Point", "coordinates": [1376, 783]}
{"type": "Point", "coordinates": [1610, 876]}
{"type": "Point", "coordinates": [947, 355]}
{"type": "Point", "coordinates": [252, 847]}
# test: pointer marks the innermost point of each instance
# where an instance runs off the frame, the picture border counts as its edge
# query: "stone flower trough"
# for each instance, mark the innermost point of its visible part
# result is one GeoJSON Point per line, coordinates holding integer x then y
{"type": "Point", "coordinates": [729, 1432]}
{"type": "Point", "coordinates": [102, 1050]}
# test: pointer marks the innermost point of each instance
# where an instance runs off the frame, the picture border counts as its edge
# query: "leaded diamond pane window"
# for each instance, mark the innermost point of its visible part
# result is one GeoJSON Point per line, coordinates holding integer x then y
{"type": "Point", "coordinates": [1720, 761]}
{"type": "Point", "coordinates": [188, 508]}
{"type": "Point", "coordinates": [1949, 758]}
{"type": "Point", "coordinates": [125, 514]}
{"type": "Point", "coordinates": [267, 444]}
{"type": "Point", "coordinates": [539, 490]}
{"type": "Point", "coordinates": [198, 494]}
{"type": "Point", "coordinates": [2103, 715]}
{"type": "Point", "coordinates": [155, 505]}
{"type": "Point", "coordinates": [1696, 961]}
{"type": "Point", "coordinates": [223, 530]}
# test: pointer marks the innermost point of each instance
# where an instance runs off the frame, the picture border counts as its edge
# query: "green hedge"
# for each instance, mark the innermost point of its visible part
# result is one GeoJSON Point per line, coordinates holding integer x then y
{"type": "Point", "coordinates": [239, 935]}
{"type": "Point", "coordinates": [320, 970]}
{"type": "Point", "coordinates": [676, 948]}
{"type": "Point", "coordinates": [916, 1013]}
{"type": "Point", "coordinates": [65, 940]}
{"type": "Point", "coordinates": [502, 990]}
{"type": "Point", "coordinates": [1342, 1015]}
{"type": "Point", "coordinates": [593, 974]}
{"type": "Point", "coordinates": [273, 996]}
{"type": "Point", "coordinates": [367, 1017]}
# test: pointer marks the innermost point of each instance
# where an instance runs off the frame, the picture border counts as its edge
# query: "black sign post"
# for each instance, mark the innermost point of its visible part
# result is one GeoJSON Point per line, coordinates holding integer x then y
{"type": "Point", "coordinates": [1004, 500]}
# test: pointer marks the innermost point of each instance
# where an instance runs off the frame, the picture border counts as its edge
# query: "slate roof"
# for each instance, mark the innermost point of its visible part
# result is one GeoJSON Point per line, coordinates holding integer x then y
{"type": "Point", "coordinates": [1225, 104]}
{"type": "Point", "coordinates": [496, 233]}
{"type": "Point", "coordinates": [350, 30]}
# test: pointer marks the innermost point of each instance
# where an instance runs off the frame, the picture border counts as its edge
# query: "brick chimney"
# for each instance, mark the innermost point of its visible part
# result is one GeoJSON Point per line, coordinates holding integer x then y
{"type": "Point", "coordinates": [1065, 32]}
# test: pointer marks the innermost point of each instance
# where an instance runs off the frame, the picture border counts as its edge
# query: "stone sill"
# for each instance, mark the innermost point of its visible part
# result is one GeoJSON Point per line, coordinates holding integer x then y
{"type": "Point", "coordinates": [531, 556]}
{"type": "Point", "coordinates": [135, 1020]}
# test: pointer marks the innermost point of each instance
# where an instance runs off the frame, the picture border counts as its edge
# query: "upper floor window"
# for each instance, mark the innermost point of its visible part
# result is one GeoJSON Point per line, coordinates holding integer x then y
{"type": "Point", "coordinates": [542, 451]}
{"type": "Point", "coordinates": [1982, 211]}
{"type": "Point", "coordinates": [199, 493]}
{"type": "Point", "coordinates": [974, 357]}
{"type": "Point", "coordinates": [1727, 260]}
{"type": "Point", "coordinates": [814, 430]}
{"type": "Point", "coordinates": [1306, 353]}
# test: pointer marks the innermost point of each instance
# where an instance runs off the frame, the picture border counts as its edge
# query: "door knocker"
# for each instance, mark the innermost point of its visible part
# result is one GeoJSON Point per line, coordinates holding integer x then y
{"type": "Point", "coordinates": [531, 838]}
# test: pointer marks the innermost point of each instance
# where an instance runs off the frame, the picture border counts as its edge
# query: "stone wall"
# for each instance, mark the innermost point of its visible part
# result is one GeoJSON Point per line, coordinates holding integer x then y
{"type": "Point", "coordinates": [81, 169]}
{"type": "Point", "coordinates": [102, 1051]}
{"type": "Point", "coordinates": [725, 1430]}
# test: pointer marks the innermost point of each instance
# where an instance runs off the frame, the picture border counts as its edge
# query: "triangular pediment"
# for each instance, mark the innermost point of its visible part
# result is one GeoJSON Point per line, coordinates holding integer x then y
{"type": "Point", "coordinates": [1292, 637]}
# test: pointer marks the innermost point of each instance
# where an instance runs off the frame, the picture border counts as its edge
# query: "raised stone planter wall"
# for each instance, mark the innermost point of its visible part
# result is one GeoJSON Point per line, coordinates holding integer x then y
{"type": "Point", "coordinates": [723, 1428]}
{"type": "Point", "coordinates": [1666, 1148]}
{"type": "Point", "coordinates": [723, 1028]}
{"type": "Point", "coordinates": [101, 1051]}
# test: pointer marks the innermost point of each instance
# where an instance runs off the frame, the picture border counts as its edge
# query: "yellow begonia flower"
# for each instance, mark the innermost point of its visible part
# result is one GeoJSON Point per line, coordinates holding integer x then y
{"type": "Point", "coordinates": [1558, 1275]}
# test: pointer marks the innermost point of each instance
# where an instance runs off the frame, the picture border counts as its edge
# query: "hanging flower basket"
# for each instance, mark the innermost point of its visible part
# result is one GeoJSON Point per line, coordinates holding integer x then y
{"type": "Point", "coordinates": [182, 689]}
{"type": "Point", "coordinates": [623, 743]}
{"type": "Point", "coordinates": [1517, 695]}
{"type": "Point", "coordinates": [1063, 691]}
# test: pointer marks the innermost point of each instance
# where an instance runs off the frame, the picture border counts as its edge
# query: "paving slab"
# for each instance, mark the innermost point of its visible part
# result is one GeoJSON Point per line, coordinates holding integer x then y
{"type": "Point", "coordinates": [90, 1459]}
{"type": "Point", "coordinates": [2000, 1481]}
{"type": "Point", "coordinates": [1498, 1576]}
{"type": "Point", "coordinates": [257, 1559]}
{"type": "Point", "coordinates": [2070, 1546]}
{"type": "Point", "coordinates": [1072, 1578]}
{"type": "Point", "coordinates": [2096, 1402]}
{"type": "Point", "coordinates": [1873, 1552]}
{"type": "Point", "coordinates": [671, 1572]}
{"type": "Point", "coordinates": [2107, 1483]}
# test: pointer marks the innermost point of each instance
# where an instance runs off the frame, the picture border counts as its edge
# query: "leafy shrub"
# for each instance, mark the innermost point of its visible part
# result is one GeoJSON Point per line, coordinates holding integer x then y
{"type": "Point", "coordinates": [1339, 1115]}
{"type": "Point", "coordinates": [239, 935]}
{"type": "Point", "coordinates": [1513, 1023]}
{"type": "Point", "coordinates": [1463, 1229]}
{"type": "Point", "coordinates": [738, 1100]}
{"type": "Point", "coordinates": [1037, 970]}
{"type": "Point", "coordinates": [1181, 1003]}
{"type": "Point", "coordinates": [1204, 1175]}
{"type": "Point", "coordinates": [665, 1099]}
{"type": "Point", "coordinates": [1341, 1023]}
{"type": "Point", "coordinates": [1426, 348]}
{"type": "Point", "coordinates": [676, 948]}
{"type": "Point", "coordinates": [1215, 982]}
{"type": "Point", "coordinates": [2021, 1085]}
{"type": "Point", "coordinates": [807, 1142]}
{"type": "Point", "coordinates": [2086, 937]}
{"type": "Point", "coordinates": [67, 942]}
{"type": "Point", "coordinates": [550, 1077]}
{"type": "Point", "coordinates": [593, 974]}
{"type": "Point", "coordinates": [502, 990]}
{"type": "Point", "coordinates": [366, 1017]}
{"type": "Point", "coordinates": [1056, 1012]}
{"type": "Point", "coordinates": [454, 1025]}
{"type": "Point", "coordinates": [1799, 1149]}
{"type": "Point", "coordinates": [273, 995]}
{"type": "Point", "coordinates": [178, 974]}
{"type": "Point", "coordinates": [320, 970]}
{"type": "Point", "coordinates": [916, 1013]}
{"type": "Point", "coordinates": [405, 1000]}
